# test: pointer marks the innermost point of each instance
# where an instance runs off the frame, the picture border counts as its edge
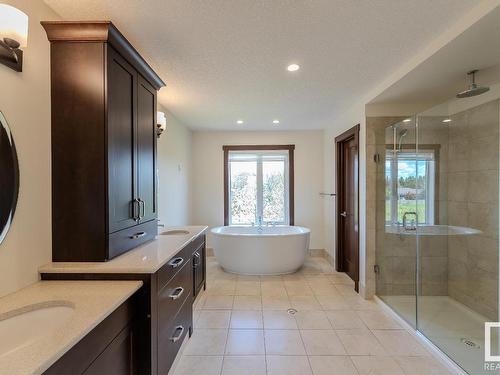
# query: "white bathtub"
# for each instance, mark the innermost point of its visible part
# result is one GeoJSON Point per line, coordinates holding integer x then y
{"type": "Point", "coordinates": [269, 251]}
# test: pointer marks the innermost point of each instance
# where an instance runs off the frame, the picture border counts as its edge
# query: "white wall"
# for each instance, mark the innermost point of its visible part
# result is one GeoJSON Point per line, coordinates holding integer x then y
{"type": "Point", "coordinates": [174, 172]}
{"type": "Point", "coordinates": [208, 177]}
{"type": "Point", "coordinates": [25, 102]}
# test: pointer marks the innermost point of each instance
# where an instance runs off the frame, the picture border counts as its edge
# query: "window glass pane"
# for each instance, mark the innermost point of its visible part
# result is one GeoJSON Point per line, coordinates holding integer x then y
{"type": "Point", "coordinates": [243, 192]}
{"type": "Point", "coordinates": [273, 191]}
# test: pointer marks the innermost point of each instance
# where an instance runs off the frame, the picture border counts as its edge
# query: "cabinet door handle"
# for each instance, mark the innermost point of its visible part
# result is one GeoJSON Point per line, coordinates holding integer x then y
{"type": "Point", "coordinates": [179, 330]}
{"type": "Point", "coordinates": [137, 235]}
{"type": "Point", "coordinates": [142, 208]}
{"type": "Point", "coordinates": [197, 256]}
{"type": "Point", "coordinates": [177, 293]}
{"type": "Point", "coordinates": [176, 262]}
{"type": "Point", "coordinates": [136, 209]}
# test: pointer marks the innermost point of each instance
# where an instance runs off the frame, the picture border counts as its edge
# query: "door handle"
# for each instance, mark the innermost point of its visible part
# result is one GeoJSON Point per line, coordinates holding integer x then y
{"type": "Point", "coordinates": [179, 330]}
{"type": "Point", "coordinates": [197, 256]}
{"type": "Point", "coordinates": [142, 208]}
{"type": "Point", "coordinates": [137, 235]}
{"type": "Point", "coordinates": [177, 293]}
{"type": "Point", "coordinates": [343, 214]}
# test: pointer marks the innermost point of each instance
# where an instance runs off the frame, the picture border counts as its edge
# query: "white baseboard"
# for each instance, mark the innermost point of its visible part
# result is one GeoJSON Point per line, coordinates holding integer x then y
{"type": "Point", "coordinates": [433, 349]}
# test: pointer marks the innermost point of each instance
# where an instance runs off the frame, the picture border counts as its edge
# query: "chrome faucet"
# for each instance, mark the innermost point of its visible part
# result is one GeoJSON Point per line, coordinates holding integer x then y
{"type": "Point", "coordinates": [413, 224]}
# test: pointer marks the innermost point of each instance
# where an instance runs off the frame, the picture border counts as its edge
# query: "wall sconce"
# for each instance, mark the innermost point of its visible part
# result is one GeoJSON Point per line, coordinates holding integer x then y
{"type": "Point", "coordinates": [13, 36]}
{"type": "Point", "coordinates": [161, 123]}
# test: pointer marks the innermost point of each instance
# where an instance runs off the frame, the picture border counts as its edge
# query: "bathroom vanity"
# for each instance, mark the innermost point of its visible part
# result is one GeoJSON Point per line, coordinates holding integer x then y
{"type": "Point", "coordinates": [172, 269]}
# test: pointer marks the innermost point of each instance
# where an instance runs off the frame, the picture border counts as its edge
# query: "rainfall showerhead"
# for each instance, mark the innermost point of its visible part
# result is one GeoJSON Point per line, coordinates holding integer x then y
{"type": "Point", "coordinates": [473, 89]}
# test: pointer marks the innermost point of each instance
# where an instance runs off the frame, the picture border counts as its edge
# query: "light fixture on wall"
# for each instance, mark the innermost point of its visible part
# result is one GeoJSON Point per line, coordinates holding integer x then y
{"type": "Point", "coordinates": [13, 36]}
{"type": "Point", "coordinates": [161, 123]}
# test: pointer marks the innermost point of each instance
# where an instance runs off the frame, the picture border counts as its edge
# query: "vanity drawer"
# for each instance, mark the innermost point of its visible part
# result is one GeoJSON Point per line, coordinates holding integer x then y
{"type": "Point", "coordinates": [172, 267]}
{"type": "Point", "coordinates": [129, 238]}
{"type": "Point", "coordinates": [173, 295]}
{"type": "Point", "coordinates": [170, 340]}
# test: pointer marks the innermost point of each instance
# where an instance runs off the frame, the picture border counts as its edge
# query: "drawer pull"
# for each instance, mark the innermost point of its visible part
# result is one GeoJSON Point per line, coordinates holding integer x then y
{"type": "Point", "coordinates": [179, 330]}
{"type": "Point", "coordinates": [138, 235]}
{"type": "Point", "coordinates": [177, 293]}
{"type": "Point", "coordinates": [176, 262]}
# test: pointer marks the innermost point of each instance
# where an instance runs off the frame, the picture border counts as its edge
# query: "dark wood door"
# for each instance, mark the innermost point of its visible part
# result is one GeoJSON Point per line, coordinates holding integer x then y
{"type": "Point", "coordinates": [146, 150]}
{"type": "Point", "coordinates": [199, 267]}
{"type": "Point", "coordinates": [122, 99]}
{"type": "Point", "coordinates": [347, 204]}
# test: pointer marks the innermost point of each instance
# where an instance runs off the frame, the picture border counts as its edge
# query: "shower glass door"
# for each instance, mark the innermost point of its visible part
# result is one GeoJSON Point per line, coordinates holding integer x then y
{"type": "Point", "coordinates": [397, 242]}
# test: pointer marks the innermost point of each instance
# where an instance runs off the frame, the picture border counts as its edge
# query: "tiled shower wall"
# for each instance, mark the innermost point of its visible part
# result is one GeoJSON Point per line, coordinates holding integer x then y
{"type": "Point", "coordinates": [473, 202]}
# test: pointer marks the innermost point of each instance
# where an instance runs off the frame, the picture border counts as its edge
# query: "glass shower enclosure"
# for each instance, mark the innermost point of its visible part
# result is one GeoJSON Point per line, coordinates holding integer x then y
{"type": "Point", "coordinates": [437, 226]}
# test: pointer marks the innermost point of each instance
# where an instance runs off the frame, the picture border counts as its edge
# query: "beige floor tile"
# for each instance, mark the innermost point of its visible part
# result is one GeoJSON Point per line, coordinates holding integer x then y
{"type": "Point", "coordinates": [399, 342]}
{"type": "Point", "coordinates": [378, 320]}
{"type": "Point", "coordinates": [340, 278]}
{"type": "Point", "coordinates": [302, 303]}
{"type": "Point", "coordinates": [332, 365]}
{"type": "Point", "coordinates": [248, 288]}
{"type": "Point", "coordinates": [322, 342]}
{"type": "Point", "coordinates": [346, 290]}
{"type": "Point", "coordinates": [245, 319]}
{"type": "Point", "coordinates": [284, 342]}
{"type": "Point", "coordinates": [222, 288]}
{"type": "Point", "coordinates": [298, 288]}
{"type": "Point", "coordinates": [286, 365]}
{"type": "Point", "coordinates": [245, 342]}
{"type": "Point", "coordinates": [332, 302]}
{"type": "Point", "coordinates": [359, 303]}
{"type": "Point", "coordinates": [206, 342]}
{"type": "Point", "coordinates": [275, 303]}
{"type": "Point", "coordinates": [247, 303]}
{"type": "Point", "coordinates": [421, 365]}
{"type": "Point", "coordinates": [253, 278]}
{"type": "Point", "coordinates": [275, 319]}
{"type": "Point", "coordinates": [244, 365]}
{"type": "Point", "coordinates": [360, 342]}
{"type": "Point", "coordinates": [344, 319]}
{"type": "Point", "coordinates": [376, 365]}
{"type": "Point", "coordinates": [312, 320]}
{"type": "Point", "coordinates": [206, 365]}
{"type": "Point", "coordinates": [218, 302]}
{"type": "Point", "coordinates": [270, 290]}
{"type": "Point", "coordinates": [213, 319]}
{"type": "Point", "coordinates": [326, 289]}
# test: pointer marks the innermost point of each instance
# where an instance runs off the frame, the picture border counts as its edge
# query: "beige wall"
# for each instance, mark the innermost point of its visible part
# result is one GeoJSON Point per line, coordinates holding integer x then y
{"type": "Point", "coordinates": [207, 182]}
{"type": "Point", "coordinates": [25, 102]}
{"type": "Point", "coordinates": [174, 172]}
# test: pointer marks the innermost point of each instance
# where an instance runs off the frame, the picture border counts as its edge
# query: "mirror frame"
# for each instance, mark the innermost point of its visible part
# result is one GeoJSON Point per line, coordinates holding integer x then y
{"type": "Point", "coordinates": [13, 174]}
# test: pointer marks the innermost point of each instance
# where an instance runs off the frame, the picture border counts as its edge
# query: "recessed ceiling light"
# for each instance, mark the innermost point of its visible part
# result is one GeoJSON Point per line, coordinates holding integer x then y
{"type": "Point", "coordinates": [276, 121]}
{"type": "Point", "coordinates": [239, 122]}
{"type": "Point", "coordinates": [293, 67]}
{"type": "Point", "coordinates": [447, 120]}
{"type": "Point", "coordinates": [407, 120]}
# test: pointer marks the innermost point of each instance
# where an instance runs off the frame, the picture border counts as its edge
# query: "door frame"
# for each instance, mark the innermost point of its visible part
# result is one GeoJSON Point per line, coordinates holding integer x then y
{"type": "Point", "coordinates": [348, 135]}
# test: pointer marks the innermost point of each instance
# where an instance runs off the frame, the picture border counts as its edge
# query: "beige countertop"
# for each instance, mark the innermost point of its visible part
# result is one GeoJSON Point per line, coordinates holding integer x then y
{"type": "Point", "coordinates": [147, 258]}
{"type": "Point", "coordinates": [91, 302]}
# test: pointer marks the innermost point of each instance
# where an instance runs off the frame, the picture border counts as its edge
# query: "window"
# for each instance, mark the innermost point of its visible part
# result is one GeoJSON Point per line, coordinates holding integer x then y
{"type": "Point", "coordinates": [258, 185]}
{"type": "Point", "coordinates": [410, 184]}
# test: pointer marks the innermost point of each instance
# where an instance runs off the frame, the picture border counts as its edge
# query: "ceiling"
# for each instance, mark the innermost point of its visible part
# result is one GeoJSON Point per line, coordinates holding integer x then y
{"type": "Point", "coordinates": [225, 60]}
{"type": "Point", "coordinates": [443, 75]}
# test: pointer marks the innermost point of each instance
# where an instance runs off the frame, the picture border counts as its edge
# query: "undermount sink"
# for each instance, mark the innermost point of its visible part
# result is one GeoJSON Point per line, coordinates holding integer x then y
{"type": "Point", "coordinates": [27, 324]}
{"type": "Point", "coordinates": [432, 230]}
{"type": "Point", "coordinates": [175, 232]}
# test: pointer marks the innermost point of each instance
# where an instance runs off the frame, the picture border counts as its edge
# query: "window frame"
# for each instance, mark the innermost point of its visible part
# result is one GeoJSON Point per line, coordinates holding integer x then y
{"type": "Point", "coordinates": [260, 148]}
{"type": "Point", "coordinates": [432, 184]}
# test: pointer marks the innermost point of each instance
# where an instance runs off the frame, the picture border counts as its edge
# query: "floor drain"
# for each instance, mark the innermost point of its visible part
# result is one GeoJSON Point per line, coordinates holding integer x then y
{"type": "Point", "coordinates": [471, 344]}
{"type": "Point", "coordinates": [292, 311]}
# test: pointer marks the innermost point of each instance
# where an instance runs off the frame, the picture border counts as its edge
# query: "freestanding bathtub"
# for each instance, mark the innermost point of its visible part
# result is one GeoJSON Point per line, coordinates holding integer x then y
{"type": "Point", "coordinates": [261, 251]}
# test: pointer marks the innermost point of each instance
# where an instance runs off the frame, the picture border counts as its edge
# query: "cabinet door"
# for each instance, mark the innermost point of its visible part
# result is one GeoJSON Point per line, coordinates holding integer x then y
{"type": "Point", "coordinates": [121, 118]}
{"type": "Point", "coordinates": [146, 150]}
{"type": "Point", "coordinates": [199, 267]}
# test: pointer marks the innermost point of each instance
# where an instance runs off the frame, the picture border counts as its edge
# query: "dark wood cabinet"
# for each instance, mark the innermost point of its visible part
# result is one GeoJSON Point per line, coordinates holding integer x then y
{"type": "Point", "coordinates": [165, 311]}
{"type": "Point", "coordinates": [111, 348]}
{"type": "Point", "coordinates": [103, 142]}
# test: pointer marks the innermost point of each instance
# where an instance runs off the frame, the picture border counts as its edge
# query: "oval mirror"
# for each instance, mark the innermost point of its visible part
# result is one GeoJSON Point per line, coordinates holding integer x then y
{"type": "Point", "coordinates": [9, 177]}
